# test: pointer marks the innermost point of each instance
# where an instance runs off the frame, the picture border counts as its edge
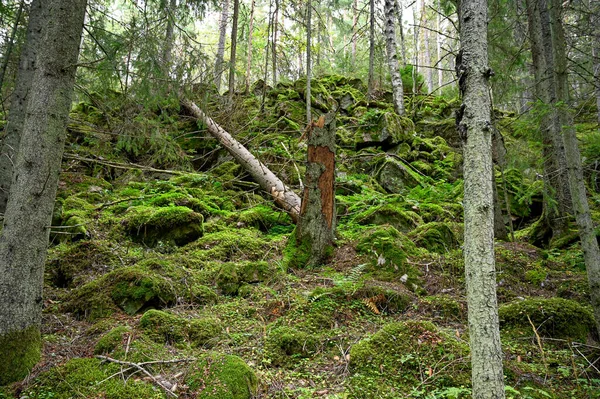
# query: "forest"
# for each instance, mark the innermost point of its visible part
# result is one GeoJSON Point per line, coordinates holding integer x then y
{"type": "Point", "coordinates": [343, 199]}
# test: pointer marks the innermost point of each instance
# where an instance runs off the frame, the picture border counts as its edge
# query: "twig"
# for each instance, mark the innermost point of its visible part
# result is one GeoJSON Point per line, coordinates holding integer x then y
{"type": "Point", "coordinates": [295, 166]}
{"type": "Point", "coordinates": [539, 342]}
{"type": "Point", "coordinates": [117, 165]}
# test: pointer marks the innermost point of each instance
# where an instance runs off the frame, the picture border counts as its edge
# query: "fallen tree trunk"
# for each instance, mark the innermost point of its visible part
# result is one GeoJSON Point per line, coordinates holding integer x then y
{"type": "Point", "coordinates": [283, 196]}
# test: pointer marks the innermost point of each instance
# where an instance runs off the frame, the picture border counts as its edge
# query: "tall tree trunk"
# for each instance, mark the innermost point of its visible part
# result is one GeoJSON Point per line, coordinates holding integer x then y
{"type": "Point", "coordinates": [390, 44]}
{"type": "Point", "coordinates": [221, 45]}
{"type": "Point", "coordinates": [354, 30]}
{"type": "Point", "coordinates": [589, 243]}
{"type": "Point", "coordinates": [10, 44]}
{"type": "Point", "coordinates": [249, 62]}
{"type": "Point", "coordinates": [474, 126]}
{"type": "Point", "coordinates": [308, 61]}
{"type": "Point", "coordinates": [438, 45]}
{"type": "Point", "coordinates": [399, 12]}
{"type": "Point", "coordinates": [234, 27]}
{"type": "Point", "coordinates": [596, 54]}
{"type": "Point", "coordinates": [415, 70]}
{"type": "Point", "coordinates": [427, 61]}
{"type": "Point", "coordinates": [20, 96]}
{"type": "Point", "coordinates": [24, 239]}
{"type": "Point", "coordinates": [315, 231]}
{"type": "Point", "coordinates": [282, 195]}
{"type": "Point", "coordinates": [169, 38]}
{"type": "Point", "coordinates": [371, 81]}
{"type": "Point", "coordinates": [274, 42]}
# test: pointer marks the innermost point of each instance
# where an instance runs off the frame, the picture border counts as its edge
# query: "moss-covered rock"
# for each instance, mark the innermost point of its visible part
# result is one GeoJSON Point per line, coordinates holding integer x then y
{"type": "Point", "coordinates": [379, 128]}
{"type": "Point", "coordinates": [165, 327]}
{"type": "Point", "coordinates": [177, 224]}
{"type": "Point", "coordinates": [396, 177]}
{"type": "Point", "coordinates": [389, 363]}
{"type": "Point", "coordinates": [444, 307]}
{"type": "Point", "coordinates": [219, 376]}
{"type": "Point", "coordinates": [285, 345]}
{"type": "Point", "coordinates": [391, 214]}
{"type": "Point", "coordinates": [202, 295]}
{"type": "Point", "coordinates": [553, 317]}
{"type": "Point", "coordinates": [232, 276]}
{"type": "Point", "coordinates": [19, 351]}
{"type": "Point", "coordinates": [230, 245]}
{"type": "Point", "coordinates": [112, 340]}
{"type": "Point", "coordinates": [435, 237]}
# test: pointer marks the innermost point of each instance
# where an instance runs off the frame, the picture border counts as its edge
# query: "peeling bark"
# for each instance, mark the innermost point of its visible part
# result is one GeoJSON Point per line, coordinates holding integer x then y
{"type": "Point", "coordinates": [390, 44]}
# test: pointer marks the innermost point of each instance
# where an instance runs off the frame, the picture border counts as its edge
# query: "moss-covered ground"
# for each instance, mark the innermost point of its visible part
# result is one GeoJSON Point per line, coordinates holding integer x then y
{"type": "Point", "coordinates": [186, 272]}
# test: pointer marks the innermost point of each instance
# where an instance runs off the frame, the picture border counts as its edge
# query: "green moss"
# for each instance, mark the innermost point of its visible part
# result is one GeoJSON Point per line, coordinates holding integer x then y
{"type": "Point", "coordinates": [295, 254]}
{"type": "Point", "coordinates": [111, 340]}
{"type": "Point", "coordinates": [554, 317]}
{"type": "Point", "coordinates": [445, 307]}
{"type": "Point", "coordinates": [435, 237]}
{"type": "Point", "coordinates": [202, 295]}
{"type": "Point", "coordinates": [231, 244]}
{"type": "Point", "coordinates": [285, 345]}
{"type": "Point", "coordinates": [177, 224]}
{"type": "Point", "coordinates": [232, 276]}
{"type": "Point", "coordinates": [19, 351]}
{"type": "Point", "coordinates": [382, 128]}
{"type": "Point", "coordinates": [391, 214]}
{"type": "Point", "coordinates": [89, 378]}
{"type": "Point", "coordinates": [165, 327]}
{"type": "Point", "coordinates": [389, 363]}
{"type": "Point", "coordinates": [219, 376]}
{"type": "Point", "coordinates": [262, 217]}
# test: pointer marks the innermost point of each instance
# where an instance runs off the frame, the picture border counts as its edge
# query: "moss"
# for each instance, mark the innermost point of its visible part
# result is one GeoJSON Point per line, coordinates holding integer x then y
{"type": "Point", "coordinates": [202, 295]}
{"type": "Point", "coordinates": [89, 378]}
{"type": "Point", "coordinates": [227, 245]}
{"type": "Point", "coordinates": [554, 317]}
{"type": "Point", "coordinates": [165, 327]}
{"type": "Point", "coordinates": [219, 376]}
{"type": "Point", "coordinates": [262, 217]}
{"type": "Point", "coordinates": [130, 288]}
{"type": "Point", "coordinates": [396, 177]}
{"type": "Point", "coordinates": [285, 345]}
{"type": "Point", "coordinates": [177, 224]}
{"type": "Point", "coordinates": [391, 214]}
{"type": "Point", "coordinates": [390, 362]}
{"type": "Point", "coordinates": [19, 351]}
{"type": "Point", "coordinates": [296, 254]}
{"type": "Point", "coordinates": [232, 276]}
{"type": "Point", "coordinates": [444, 307]}
{"type": "Point", "coordinates": [111, 340]}
{"type": "Point", "coordinates": [384, 129]}
{"type": "Point", "coordinates": [435, 237]}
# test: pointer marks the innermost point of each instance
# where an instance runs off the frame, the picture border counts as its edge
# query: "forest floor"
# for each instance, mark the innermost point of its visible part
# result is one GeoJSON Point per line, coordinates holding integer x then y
{"type": "Point", "coordinates": [177, 281]}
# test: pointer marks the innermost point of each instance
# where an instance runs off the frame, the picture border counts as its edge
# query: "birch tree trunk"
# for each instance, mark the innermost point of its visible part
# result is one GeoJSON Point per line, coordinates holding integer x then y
{"type": "Point", "coordinates": [475, 128]}
{"type": "Point", "coordinates": [16, 116]}
{"type": "Point", "coordinates": [249, 61]}
{"type": "Point", "coordinates": [371, 79]}
{"type": "Point", "coordinates": [354, 30]}
{"type": "Point", "coordinates": [283, 196]}
{"type": "Point", "coordinates": [399, 12]}
{"type": "Point", "coordinates": [24, 239]}
{"type": "Point", "coordinates": [221, 45]}
{"type": "Point", "coordinates": [427, 61]}
{"type": "Point", "coordinates": [390, 44]}
{"type": "Point", "coordinates": [234, 27]}
{"type": "Point", "coordinates": [274, 43]}
{"type": "Point", "coordinates": [11, 43]}
{"type": "Point", "coordinates": [308, 62]}
{"type": "Point", "coordinates": [438, 45]}
{"type": "Point", "coordinates": [589, 243]}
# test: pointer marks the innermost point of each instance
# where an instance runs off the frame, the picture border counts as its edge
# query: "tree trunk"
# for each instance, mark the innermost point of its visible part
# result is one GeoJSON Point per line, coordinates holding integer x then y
{"type": "Point", "coordinates": [589, 243]}
{"type": "Point", "coordinates": [20, 96]}
{"type": "Point", "coordinates": [221, 45]}
{"type": "Point", "coordinates": [308, 61]}
{"type": "Point", "coordinates": [169, 38]}
{"type": "Point", "coordinates": [316, 227]}
{"type": "Point", "coordinates": [371, 82]}
{"type": "Point", "coordinates": [274, 43]}
{"type": "Point", "coordinates": [415, 69]}
{"type": "Point", "coordinates": [438, 45]}
{"type": "Point", "coordinates": [249, 62]}
{"type": "Point", "coordinates": [354, 31]}
{"type": "Point", "coordinates": [10, 44]}
{"type": "Point", "coordinates": [399, 11]}
{"type": "Point", "coordinates": [474, 126]}
{"type": "Point", "coordinates": [234, 27]}
{"type": "Point", "coordinates": [24, 239]}
{"type": "Point", "coordinates": [283, 196]}
{"type": "Point", "coordinates": [427, 61]}
{"type": "Point", "coordinates": [390, 44]}
{"type": "Point", "coordinates": [596, 54]}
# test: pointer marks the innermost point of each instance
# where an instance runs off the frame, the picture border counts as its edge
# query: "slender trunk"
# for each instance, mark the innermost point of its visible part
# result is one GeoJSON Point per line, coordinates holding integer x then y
{"type": "Point", "coordinates": [282, 195]}
{"type": "Point", "coordinates": [266, 70]}
{"type": "Point", "coordinates": [438, 45]}
{"type": "Point", "coordinates": [234, 27]}
{"type": "Point", "coordinates": [589, 243]}
{"type": "Point", "coordinates": [24, 239]}
{"type": "Point", "coordinates": [390, 44]}
{"type": "Point", "coordinates": [221, 45]}
{"type": "Point", "coordinates": [399, 10]}
{"type": "Point", "coordinates": [354, 31]}
{"type": "Point", "coordinates": [20, 96]}
{"type": "Point", "coordinates": [427, 60]}
{"type": "Point", "coordinates": [474, 126]}
{"type": "Point", "coordinates": [11, 42]}
{"type": "Point", "coordinates": [249, 62]}
{"type": "Point", "coordinates": [415, 69]}
{"type": "Point", "coordinates": [371, 82]}
{"type": "Point", "coordinates": [308, 60]}
{"type": "Point", "coordinates": [596, 54]}
{"type": "Point", "coordinates": [316, 226]}
{"type": "Point", "coordinates": [169, 38]}
{"type": "Point", "coordinates": [274, 43]}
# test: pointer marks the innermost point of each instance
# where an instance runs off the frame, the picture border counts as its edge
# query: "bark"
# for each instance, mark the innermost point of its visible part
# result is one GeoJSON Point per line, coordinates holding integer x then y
{"type": "Point", "coordinates": [415, 69]}
{"type": "Point", "coordinates": [11, 43]}
{"type": "Point", "coordinates": [24, 239]}
{"type": "Point", "coordinates": [354, 30]}
{"type": "Point", "coordinates": [234, 27]}
{"type": "Point", "coordinates": [308, 61]}
{"type": "Point", "coordinates": [475, 127]}
{"type": "Point", "coordinates": [390, 44]}
{"type": "Point", "coordinates": [399, 11]}
{"type": "Point", "coordinates": [249, 62]}
{"type": "Point", "coordinates": [283, 196]}
{"type": "Point", "coordinates": [583, 218]}
{"type": "Point", "coordinates": [438, 44]}
{"type": "Point", "coordinates": [20, 96]}
{"type": "Point", "coordinates": [169, 39]}
{"type": "Point", "coordinates": [427, 61]}
{"type": "Point", "coordinates": [316, 227]}
{"type": "Point", "coordinates": [371, 82]}
{"type": "Point", "coordinates": [274, 43]}
{"type": "Point", "coordinates": [221, 45]}
{"type": "Point", "coordinates": [596, 54]}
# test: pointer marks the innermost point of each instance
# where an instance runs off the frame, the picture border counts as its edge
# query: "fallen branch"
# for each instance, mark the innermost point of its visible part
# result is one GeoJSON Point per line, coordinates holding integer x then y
{"type": "Point", "coordinates": [126, 166]}
{"type": "Point", "coordinates": [282, 195]}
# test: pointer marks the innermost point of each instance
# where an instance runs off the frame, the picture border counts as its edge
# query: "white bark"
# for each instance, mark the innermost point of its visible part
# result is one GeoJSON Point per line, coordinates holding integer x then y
{"type": "Point", "coordinates": [427, 61]}
{"type": "Point", "coordinates": [234, 27]}
{"type": "Point", "coordinates": [249, 61]}
{"type": "Point", "coordinates": [221, 45]}
{"type": "Point", "coordinates": [390, 44]}
{"type": "Point", "coordinates": [480, 273]}
{"type": "Point", "coordinates": [282, 195]}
